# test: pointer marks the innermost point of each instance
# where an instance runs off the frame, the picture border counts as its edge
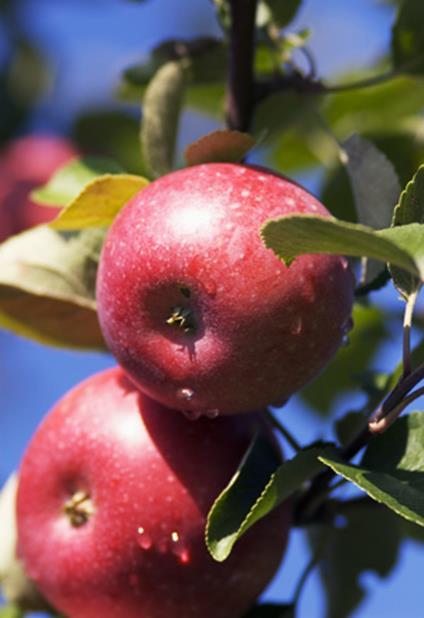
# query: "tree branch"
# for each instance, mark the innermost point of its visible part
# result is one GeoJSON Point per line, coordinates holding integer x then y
{"type": "Point", "coordinates": [240, 93]}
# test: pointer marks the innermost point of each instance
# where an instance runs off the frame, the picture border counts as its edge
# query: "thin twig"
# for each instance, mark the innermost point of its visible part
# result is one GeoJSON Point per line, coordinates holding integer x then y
{"type": "Point", "coordinates": [375, 80]}
{"type": "Point", "coordinates": [284, 432]}
{"type": "Point", "coordinates": [378, 426]}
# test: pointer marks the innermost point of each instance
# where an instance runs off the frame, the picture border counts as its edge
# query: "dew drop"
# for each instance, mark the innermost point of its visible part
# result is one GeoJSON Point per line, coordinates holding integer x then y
{"type": "Point", "coordinates": [296, 327]}
{"type": "Point", "coordinates": [212, 413]}
{"type": "Point", "coordinates": [192, 415]}
{"type": "Point", "coordinates": [345, 341]}
{"type": "Point", "coordinates": [347, 326]}
{"type": "Point", "coordinates": [178, 549]}
{"type": "Point", "coordinates": [185, 394]}
{"type": "Point", "coordinates": [143, 539]}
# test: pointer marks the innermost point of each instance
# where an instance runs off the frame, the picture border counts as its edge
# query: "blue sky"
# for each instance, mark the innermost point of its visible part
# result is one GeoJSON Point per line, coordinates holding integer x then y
{"type": "Point", "coordinates": [88, 44]}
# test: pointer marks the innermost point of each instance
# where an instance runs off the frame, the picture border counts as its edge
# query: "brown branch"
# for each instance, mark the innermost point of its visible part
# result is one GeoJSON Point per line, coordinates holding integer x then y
{"type": "Point", "coordinates": [240, 93]}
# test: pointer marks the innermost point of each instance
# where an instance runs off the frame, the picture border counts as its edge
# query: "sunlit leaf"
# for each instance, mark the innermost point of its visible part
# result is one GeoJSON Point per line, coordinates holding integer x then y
{"type": "Point", "coordinates": [99, 202]}
{"type": "Point", "coordinates": [65, 185]}
{"type": "Point", "coordinates": [47, 283]}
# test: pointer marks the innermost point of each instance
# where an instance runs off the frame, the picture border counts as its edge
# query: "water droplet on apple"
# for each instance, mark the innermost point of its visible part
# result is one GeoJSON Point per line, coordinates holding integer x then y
{"type": "Point", "coordinates": [143, 539]}
{"type": "Point", "coordinates": [192, 415]}
{"type": "Point", "coordinates": [345, 341]}
{"type": "Point", "coordinates": [344, 263]}
{"type": "Point", "coordinates": [347, 326]}
{"type": "Point", "coordinates": [179, 549]}
{"type": "Point", "coordinates": [212, 413]}
{"type": "Point", "coordinates": [185, 394]}
{"type": "Point", "coordinates": [296, 327]}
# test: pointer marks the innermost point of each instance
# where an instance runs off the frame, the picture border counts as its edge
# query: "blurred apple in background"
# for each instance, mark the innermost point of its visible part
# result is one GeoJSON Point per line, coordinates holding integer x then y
{"type": "Point", "coordinates": [25, 163]}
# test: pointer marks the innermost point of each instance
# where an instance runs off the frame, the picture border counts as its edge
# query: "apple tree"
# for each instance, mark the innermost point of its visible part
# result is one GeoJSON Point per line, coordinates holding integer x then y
{"type": "Point", "coordinates": [221, 320]}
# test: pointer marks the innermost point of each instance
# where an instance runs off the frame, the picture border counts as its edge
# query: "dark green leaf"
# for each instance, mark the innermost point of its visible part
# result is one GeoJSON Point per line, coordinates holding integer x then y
{"type": "Point", "coordinates": [68, 182]}
{"type": "Point", "coordinates": [374, 181]}
{"type": "Point", "coordinates": [295, 235]}
{"type": "Point", "coordinates": [47, 282]}
{"type": "Point", "coordinates": [283, 11]}
{"type": "Point", "coordinates": [341, 375]}
{"type": "Point", "coordinates": [259, 485]}
{"type": "Point", "coordinates": [376, 189]}
{"type": "Point", "coordinates": [407, 37]}
{"type": "Point", "coordinates": [110, 133]}
{"type": "Point", "coordinates": [161, 114]}
{"type": "Point", "coordinates": [219, 146]}
{"type": "Point", "coordinates": [367, 540]}
{"type": "Point", "coordinates": [410, 209]}
{"type": "Point", "coordinates": [392, 469]}
{"type": "Point", "coordinates": [277, 112]}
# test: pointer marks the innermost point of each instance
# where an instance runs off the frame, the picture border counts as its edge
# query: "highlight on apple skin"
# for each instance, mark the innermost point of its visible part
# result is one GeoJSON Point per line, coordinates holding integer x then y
{"type": "Point", "coordinates": [113, 495]}
{"type": "Point", "coordinates": [201, 315]}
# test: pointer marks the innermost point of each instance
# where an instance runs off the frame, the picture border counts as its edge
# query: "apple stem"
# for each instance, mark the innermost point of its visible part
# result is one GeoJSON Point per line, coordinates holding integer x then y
{"type": "Point", "coordinates": [183, 318]}
{"type": "Point", "coordinates": [79, 509]}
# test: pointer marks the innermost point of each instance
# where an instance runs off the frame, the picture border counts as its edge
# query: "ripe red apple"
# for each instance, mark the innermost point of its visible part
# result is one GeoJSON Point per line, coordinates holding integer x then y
{"type": "Point", "coordinates": [113, 494]}
{"type": "Point", "coordinates": [201, 315]}
{"type": "Point", "coordinates": [24, 164]}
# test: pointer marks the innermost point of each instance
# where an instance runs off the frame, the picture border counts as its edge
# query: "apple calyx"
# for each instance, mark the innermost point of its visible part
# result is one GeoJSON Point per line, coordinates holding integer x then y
{"type": "Point", "coordinates": [79, 508]}
{"type": "Point", "coordinates": [182, 317]}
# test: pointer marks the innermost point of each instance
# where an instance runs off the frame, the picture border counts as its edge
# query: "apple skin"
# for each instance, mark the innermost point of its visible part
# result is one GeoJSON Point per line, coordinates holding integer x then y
{"type": "Point", "coordinates": [262, 330]}
{"type": "Point", "coordinates": [152, 476]}
{"type": "Point", "coordinates": [26, 163]}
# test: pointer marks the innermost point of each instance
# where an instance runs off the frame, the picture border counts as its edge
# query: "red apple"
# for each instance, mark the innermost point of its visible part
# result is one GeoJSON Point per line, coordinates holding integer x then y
{"type": "Point", "coordinates": [113, 494]}
{"type": "Point", "coordinates": [202, 316]}
{"type": "Point", "coordinates": [24, 164]}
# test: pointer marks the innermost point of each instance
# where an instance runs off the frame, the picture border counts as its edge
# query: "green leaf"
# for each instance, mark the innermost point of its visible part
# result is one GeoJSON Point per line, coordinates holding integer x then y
{"type": "Point", "coordinates": [219, 146]}
{"type": "Point", "coordinates": [407, 39]}
{"type": "Point", "coordinates": [368, 539]}
{"type": "Point", "coordinates": [110, 133]}
{"type": "Point", "coordinates": [410, 209]}
{"type": "Point", "coordinates": [392, 469]}
{"type": "Point", "coordinates": [272, 611]}
{"type": "Point", "coordinates": [65, 185]}
{"type": "Point", "coordinates": [294, 235]}
{"type": "Point", "coordinates": [277, 112]}
{"type": "Point", "coordinates": [341, 374]}
{"type": "Point", "coordinates": [384, 108]}
{"type": "Point", "coordinates": [161, 114]}
{"type": "Point", "coordinates": [259, 486]}
{"type": "Point", "coordinates": [99, 202]}
{"type": "Point", "coordinates": [47, 284]}
{"type": "Point", "coordinates": [283, 11]}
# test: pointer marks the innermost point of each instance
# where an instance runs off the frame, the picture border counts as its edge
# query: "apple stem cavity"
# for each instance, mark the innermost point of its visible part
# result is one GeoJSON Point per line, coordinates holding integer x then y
{"type": "Point", "coordinates": [79, 508]}
{"type": "Point", "coordinates": [182, 317]}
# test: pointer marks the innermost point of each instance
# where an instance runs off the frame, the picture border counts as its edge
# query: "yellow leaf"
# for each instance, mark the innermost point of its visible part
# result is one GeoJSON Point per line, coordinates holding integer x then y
{"type": "Point", "coordinates": [99, 202]}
